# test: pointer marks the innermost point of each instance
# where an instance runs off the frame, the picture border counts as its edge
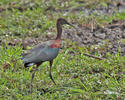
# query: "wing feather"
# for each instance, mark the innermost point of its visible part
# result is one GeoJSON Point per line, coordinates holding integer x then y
{"type": "Point", "coordinates": [35, 54]}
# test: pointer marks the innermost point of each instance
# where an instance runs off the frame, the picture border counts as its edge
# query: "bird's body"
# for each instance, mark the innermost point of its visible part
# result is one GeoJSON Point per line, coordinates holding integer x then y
{"type": "Point", "coordinates": [46, 51]}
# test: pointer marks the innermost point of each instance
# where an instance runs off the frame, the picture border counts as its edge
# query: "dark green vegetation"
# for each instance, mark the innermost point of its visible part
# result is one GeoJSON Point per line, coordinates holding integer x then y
{"type": "Point", "coordinates": [77, 76]}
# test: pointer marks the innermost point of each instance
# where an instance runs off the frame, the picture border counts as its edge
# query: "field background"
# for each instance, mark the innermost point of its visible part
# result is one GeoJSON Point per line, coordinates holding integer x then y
{"type": "Point", "coordinates": [101, 32]}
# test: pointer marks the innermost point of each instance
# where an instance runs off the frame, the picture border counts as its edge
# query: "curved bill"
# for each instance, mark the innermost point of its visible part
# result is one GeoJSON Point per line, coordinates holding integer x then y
{"type": "Point", "coordinates": [72, 26]}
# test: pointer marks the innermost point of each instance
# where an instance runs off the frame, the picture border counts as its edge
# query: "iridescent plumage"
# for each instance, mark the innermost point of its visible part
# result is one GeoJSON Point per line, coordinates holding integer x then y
{"type": "Point", "coordinates": [41, 53]}
{"type": "Point", "coordinates": [46, 51]}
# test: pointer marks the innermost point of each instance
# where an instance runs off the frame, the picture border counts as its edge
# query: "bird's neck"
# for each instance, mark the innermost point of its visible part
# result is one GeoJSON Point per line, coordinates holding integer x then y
{"type": "Point", "coordinates": [59, 30]}
{"type": "Point", "coordinates": [55, 44]}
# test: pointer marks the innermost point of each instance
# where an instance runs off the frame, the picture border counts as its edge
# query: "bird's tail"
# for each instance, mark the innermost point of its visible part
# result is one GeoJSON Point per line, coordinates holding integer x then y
{"type": "Point", "coordinates": [28, 64]}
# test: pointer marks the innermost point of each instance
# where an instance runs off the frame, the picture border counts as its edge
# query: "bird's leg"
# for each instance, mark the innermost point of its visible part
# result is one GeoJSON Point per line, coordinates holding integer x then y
{"type": "Point", "coordinates": [31, 86]}
{"type": "Point", "coordinates": [50, 75]}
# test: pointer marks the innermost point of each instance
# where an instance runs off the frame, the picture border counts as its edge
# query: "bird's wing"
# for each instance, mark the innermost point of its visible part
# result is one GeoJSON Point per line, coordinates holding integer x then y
{"type": "Point", "coordinates": [37, 47]}
{"type": "Point", "coordinates": [41, 45]}
{"type": "Point", "coordinates": [33, 53]}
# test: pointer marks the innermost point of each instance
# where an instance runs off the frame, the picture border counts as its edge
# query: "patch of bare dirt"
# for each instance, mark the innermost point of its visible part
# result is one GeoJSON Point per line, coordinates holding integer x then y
{"type": "Point", "coordinates": [110, 39]}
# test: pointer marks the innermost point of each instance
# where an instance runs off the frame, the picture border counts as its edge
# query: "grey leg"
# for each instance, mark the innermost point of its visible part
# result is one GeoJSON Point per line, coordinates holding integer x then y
{"type": "Point", "coordinates": [31, 86]}
{"type": "Point", "coordinates": [50, 75]}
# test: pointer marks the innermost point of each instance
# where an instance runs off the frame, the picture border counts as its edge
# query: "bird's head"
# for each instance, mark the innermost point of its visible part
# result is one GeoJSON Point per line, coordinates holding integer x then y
{"type": "Point", "coordinates": [62, 21]}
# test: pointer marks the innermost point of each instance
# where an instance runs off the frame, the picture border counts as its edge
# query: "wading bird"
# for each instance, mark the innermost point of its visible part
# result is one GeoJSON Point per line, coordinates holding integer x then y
{"type": "Point", "coordinates": [46, 51]}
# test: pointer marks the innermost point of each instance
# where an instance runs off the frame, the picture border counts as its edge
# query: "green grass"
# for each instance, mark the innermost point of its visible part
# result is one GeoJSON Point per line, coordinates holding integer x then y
{"type": "Point", "coordinates": [77, 76]}
{"type": "Point", "coordinates": [16, 23]}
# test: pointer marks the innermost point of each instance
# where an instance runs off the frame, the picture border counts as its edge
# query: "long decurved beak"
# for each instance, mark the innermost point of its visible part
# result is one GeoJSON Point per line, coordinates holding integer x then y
{"type": "Point", "coordinates": [73, 26]}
